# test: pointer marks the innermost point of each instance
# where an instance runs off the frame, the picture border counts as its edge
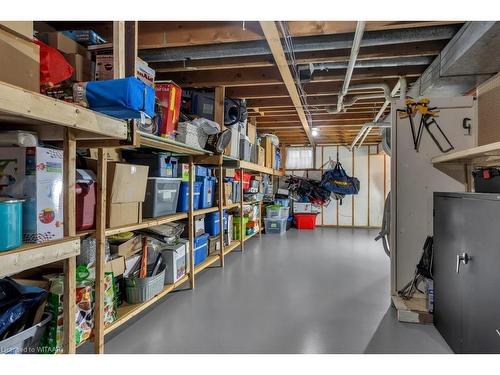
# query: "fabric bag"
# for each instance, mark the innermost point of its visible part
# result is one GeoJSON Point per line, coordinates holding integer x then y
{"type": "Point", "coordinates": [124, 98]}
{"type": "Point", "coordinates": [336, 180]}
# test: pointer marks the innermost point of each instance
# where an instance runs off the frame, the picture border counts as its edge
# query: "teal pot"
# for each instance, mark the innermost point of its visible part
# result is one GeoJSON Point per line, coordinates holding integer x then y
{"type": "Point", "coordinates": [11, 217]}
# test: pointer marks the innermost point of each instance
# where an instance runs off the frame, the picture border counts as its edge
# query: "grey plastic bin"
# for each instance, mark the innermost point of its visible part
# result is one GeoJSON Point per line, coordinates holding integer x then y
{"type": "Point", "coordinates": [27, 341]}
{"type": "Point", "coordinates": [162, 194]}
{"type": "Point", "coordinates": [141, 290]}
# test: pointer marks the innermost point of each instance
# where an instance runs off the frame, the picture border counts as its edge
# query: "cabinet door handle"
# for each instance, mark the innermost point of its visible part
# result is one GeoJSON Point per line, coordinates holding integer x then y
{"type": "Point", "coordinates": [462, 258]}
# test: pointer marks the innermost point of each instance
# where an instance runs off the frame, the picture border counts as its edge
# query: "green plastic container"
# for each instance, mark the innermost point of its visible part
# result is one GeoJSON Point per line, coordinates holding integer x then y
{"type": "Point", "coordinates": [237, 226]}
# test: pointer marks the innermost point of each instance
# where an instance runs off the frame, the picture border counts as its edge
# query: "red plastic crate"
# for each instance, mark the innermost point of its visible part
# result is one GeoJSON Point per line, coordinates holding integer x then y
{"type": "Point", "coordinates": [305, 221]}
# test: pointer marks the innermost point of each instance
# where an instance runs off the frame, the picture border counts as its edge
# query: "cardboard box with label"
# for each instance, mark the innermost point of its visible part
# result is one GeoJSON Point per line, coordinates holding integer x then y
{"type": "Point", "coordinates": [64, 44]}
{"type": "Point", "coordinates": [126, 192]}
{"type": "Point", "coordinates": [82, 67]}
{"type": "Point", "coordinates": [20, 61]}
{"type": "Point", "coordinates": [35, 174]}
{"type": "Point", "coordinates": [127, 248]}
{"type": "Point", "coordinates": [104, 69]}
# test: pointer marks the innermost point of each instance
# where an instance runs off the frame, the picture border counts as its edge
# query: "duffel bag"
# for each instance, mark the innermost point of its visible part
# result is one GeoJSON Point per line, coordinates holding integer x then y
{"type": "Point", "coordinates": [124, 98]}
{"type": "Point", "coordinates": [336, 180]}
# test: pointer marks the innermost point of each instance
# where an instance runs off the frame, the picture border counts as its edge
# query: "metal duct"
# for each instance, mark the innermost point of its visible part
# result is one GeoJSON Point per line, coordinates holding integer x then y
{"type": "Point", "coordinates": [375, 63]}
{"type": "Point", "coordinates": [469, 59]}
{"type": "Point", "coordinates": [301, 44]}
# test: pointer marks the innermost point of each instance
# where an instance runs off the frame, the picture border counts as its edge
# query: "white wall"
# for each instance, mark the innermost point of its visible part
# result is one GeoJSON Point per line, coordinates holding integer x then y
{"type": "Point", "coordinates": [414, 179]}
{"type": "Point", "coordinates": [369, 165]}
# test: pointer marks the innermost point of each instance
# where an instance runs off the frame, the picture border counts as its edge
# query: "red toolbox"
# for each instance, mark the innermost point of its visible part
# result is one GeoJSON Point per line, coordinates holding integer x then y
{"type": "Point", "coordinates": [85, 189]}
{"type": "Point", "coordinates": [169, 96]}
{"type": "Point", "coordinates": [305, 221]}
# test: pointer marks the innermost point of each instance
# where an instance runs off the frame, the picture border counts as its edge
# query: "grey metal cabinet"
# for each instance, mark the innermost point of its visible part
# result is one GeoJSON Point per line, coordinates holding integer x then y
{"type": "Point", "coordinates": [467, 271]}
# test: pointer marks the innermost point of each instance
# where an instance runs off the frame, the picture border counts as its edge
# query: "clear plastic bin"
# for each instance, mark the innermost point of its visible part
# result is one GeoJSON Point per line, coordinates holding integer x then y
{"type": "Point", "coordinates": [162, 195]}
{"type": "Point", "coordinates": [275, 226]}
{"type": "Point", "coordinates": [277, 212]}
{"type": "Point", "coordinates": [27, 341]}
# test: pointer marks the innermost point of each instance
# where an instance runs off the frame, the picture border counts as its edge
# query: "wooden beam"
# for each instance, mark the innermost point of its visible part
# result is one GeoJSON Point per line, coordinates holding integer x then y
{"type": "Point", "coordinates": [118, 49]}
{"type": "Point", "coordinates": [131, 47]}
{"type": "Point", "coordinates": [273, 39]}
{"type": "Point", "coordinates": [263, 104]}
{"type": "Point", "coordinates": [220, 94]}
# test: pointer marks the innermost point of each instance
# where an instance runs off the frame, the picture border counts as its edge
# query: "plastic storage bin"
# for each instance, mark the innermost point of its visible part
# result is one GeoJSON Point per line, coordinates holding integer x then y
{"type": "Point", "coordinates": [284, 202]}
{"type": "Point", "coordinates": [200, 248]}
{"type": "Point", "coordinates": [161, 196]}
{"type": "Point", "coordinates": [27, 341]}
{"type": "Point", "coordinates": [160, 164]}
{"type": "Point", "coordinates": [207, 193]}
{"type": "Point", "coordinates": [183, 201]}
{"type": "Point", "coordinates": [201, 171]}
{"type": "Point", "coordinates": [277, 212]}
{"type": "Point", "coordinates": [141, 290]}
{"type": "Point", "coordinates": [175, 257]}
{"type": "Point", "coordinates": [277, 226]}
{"type": "Point", "coordinates": [237, 226]}
{"type": "Point", "coordinates": [305, 221]}
{"type": "Point", "coordinates": [212, 223]}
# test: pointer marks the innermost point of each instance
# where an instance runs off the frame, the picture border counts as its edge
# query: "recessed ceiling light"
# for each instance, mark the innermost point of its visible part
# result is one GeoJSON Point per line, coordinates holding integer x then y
{"type": "Point", "coordinates": [315, 132]}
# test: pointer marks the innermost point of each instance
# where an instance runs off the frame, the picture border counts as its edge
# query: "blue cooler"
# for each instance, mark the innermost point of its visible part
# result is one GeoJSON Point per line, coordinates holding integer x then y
{"type": "Point", "coordinates": [183, 202]}
{"type": "Point", "coordinates": [212, 223]}
{"type": "Point", "coordinates": [207, 195]}
{"type": "Point", "coordinates": [200, 248]}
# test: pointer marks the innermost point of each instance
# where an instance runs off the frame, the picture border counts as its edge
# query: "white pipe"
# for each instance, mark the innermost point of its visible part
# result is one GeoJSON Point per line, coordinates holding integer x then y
{"type": "Point", "coordinates": [366, 128]}
{"type": "Point", "coordinates": [356, 43]}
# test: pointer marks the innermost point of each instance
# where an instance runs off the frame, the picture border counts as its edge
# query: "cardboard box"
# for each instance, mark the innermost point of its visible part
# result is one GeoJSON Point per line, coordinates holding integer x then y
{"type": "Point", "coordinates": [127, 248]}
{"type": "Point", "coordinates": [117, 266]}
{"type": "Point", "coordinates": [20, 61]}
{"type": "Point", "coordinates": [64, 44]}
{"type": "Point", "coordinates": [229, 172]}
{"type": "Point", "coordinates": [23, 28]}
{"type": "Point", "coordinates": [269, 152]}
{"type": "Point", "coordinates": [252, 133]}
{"type": "Point", "coordinates": [126, 191]}
{"type": "Point", "coordinates": [228, 189]}
{"type": "Point", "coordinates": [199, 225]}
{"type": "Point", "coordinates": [261, 156]}
{"type": "Point", "coordinates": [35, 174]}
{"type": "Point", "coordinates": [104, 69]}
{"type": "Point", "coordinates": [81, 65]}
{"type": "Point", "coordinates": [112, 154]}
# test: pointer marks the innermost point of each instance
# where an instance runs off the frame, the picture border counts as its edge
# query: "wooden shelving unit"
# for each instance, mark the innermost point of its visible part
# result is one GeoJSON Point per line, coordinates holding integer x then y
{"type": "Point", "coordinates": [146, 223]}
{"type": "Point", "coordinates": [211, 259]}
{"type": "Point", "coordinates": [459, 164]}
{"type": "Point", "coordinates": [165, 144]}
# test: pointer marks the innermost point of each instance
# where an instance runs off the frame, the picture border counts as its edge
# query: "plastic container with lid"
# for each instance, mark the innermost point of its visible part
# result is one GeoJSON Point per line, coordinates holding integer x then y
{"type": "Point", "coordinates": [183, 201]}
{"type": "Point", "coordinates": [161, 196]}
{"type": "Point", "coordinates": [275, 226]}
{"type": "Point", "coordinates": [11, 217]}
{"type": "Point", "coordinates": [305, 221]}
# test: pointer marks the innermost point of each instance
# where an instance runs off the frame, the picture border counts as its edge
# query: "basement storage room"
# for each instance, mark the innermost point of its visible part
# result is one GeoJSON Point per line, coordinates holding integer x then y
{"type": "Point", "coordinates": [249, 187]}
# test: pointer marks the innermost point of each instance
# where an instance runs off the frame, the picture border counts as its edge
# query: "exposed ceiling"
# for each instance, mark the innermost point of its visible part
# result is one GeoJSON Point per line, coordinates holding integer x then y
{"type": "Point", "coordinates": [237, 56]}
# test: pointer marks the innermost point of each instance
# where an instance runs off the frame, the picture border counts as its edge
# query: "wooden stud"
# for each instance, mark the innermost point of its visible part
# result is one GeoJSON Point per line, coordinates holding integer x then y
{"type": "Point", "coordinates": [131, 34]}
{"type": "Point", "coordinates": [118, 49]}
{"type": "Point", "coordinates": [220, 95]}
{"type": "Point", "coordinates": [191, 224]}
{"type": "Point", "coordinates": [273, 39]}
{"type": "Point", "coordinates": [221, 192]}
{"type": "Point", "coordinates": [100, 251]}
{"type": "Point", "coordinates": [69, 300]}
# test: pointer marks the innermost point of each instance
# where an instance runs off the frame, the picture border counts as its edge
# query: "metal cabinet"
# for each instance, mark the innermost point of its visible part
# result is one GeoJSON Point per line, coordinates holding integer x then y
{"type": "Point", "coordinates": [467, 271]}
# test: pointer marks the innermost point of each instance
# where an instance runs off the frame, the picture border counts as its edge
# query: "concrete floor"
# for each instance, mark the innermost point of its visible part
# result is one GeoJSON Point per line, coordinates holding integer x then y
{"type": "Point", "coordinates": [322, 291]}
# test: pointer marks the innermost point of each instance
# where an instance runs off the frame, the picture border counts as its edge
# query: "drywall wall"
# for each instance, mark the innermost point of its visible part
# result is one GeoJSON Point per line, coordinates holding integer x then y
{"type": "Point", "coordinates": [367, 164]}
{"type": "Point", "coordinates": [414, 179]}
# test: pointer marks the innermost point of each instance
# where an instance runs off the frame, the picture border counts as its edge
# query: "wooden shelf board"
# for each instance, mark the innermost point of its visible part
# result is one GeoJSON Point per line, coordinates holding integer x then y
{"type": "Point", "coordinates": [211, 259]}
{"type": "Point", "coordinates": [165, 144]}
{"type": "Point", "coordinates": [34, 255]}
{"type": "Point", "coordinates": [250, 236]}
{"type": "Point", "coordinates": [233, 245]}
{"type": "Point", "coordinates": [470, 154]}
{"type": "Point", "coordinates": [146, 223]}
{"type": "Point", "coordinates": [127, 311]}
{"type": "Point", "coordinates": [251, 167]}
{"type": "Point", "coordinates": [230, 206]}
{"type": "Point", "coordinates": [30, 109]}
{"type": "Point", "coordinates": [413, 310]}
{"type": "Point", "coordinates": [205, 211]}
{"type": "Point", "coordinates": [252, 202]}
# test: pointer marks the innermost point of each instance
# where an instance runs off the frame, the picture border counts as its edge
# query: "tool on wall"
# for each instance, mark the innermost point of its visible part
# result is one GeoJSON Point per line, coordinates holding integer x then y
{"type": "Point", "coordinates": [467, 125]}
{"type": "Point", "coordinates": [427, 121]}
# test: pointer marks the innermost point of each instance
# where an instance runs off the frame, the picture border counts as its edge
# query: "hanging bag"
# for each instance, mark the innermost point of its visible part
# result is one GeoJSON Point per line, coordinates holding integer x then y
{"type": "Point", "coordinates": [337, 181]}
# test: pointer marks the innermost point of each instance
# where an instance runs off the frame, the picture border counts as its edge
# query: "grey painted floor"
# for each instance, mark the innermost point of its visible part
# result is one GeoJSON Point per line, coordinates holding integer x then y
{"type": "Point", "coordinates": [322, 291]}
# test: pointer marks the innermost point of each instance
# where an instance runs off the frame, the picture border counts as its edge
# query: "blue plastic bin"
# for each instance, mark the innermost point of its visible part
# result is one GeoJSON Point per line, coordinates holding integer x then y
{"type": "Point", "coordinates": [200, 171]}
{"type": "Point", "coordinates": [212, 223]}
{"type": "Point", "coordinates": [207, 194]}
{"type": "Point", "coordinates": [200, 248]}
{"type": "Point", "coordinates": [183, 201]}
{"type": "Point", "coordinates": [161, 164]}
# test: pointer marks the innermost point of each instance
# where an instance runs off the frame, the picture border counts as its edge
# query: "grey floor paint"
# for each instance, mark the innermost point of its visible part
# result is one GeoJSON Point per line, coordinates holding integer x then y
{"type": "Point", "coordinates": [322, 291]}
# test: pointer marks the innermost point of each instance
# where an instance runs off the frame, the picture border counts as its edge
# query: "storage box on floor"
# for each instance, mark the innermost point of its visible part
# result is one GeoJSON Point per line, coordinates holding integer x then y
{"type": "Point", "coordinates": [35, 174]}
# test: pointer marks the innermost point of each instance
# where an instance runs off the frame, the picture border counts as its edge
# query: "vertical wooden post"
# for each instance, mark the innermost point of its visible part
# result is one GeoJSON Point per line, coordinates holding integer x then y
{"type": "Point", "coordinates": [260, 205]}
{"type": "Point", "coordinates": [191, 223]}
{"type": "Point", "coordinates": [220, 94]}
{"type": "Point", "coordinates": [242, 226]}
{"type": "Point", "coordinates": [69, 299]}
{"type": "Point", "coordinates": [100, 251]}
{"type": "Point", "coordinates": [118, 49]}
{"type": "Point", "coordinates": [131, 46]}
{"type": "Point", "coordinates": [221, 213]}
